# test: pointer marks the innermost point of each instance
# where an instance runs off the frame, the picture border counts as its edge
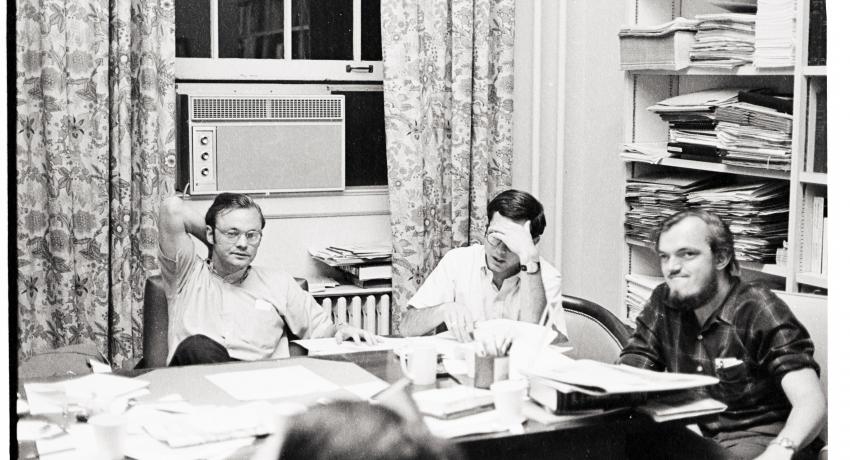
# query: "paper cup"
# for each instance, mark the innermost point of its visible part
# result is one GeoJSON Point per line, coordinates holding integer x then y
{"type": "Point", "coordinates": [508, 396]}
{"type": "Point", "coordinates": [108, 433]}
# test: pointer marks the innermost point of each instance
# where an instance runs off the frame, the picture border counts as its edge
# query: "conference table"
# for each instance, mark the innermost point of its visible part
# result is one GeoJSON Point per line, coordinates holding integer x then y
{"type": "Point", "coordinates": [599, 434]}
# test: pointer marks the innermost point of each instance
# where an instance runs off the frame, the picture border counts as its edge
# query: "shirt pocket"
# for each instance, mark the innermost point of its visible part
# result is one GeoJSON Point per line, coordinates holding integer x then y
{"type": "Point", "coordinates": [736, 382]}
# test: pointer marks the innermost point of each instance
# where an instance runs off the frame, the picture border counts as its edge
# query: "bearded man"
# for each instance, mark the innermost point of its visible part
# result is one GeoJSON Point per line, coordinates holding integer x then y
{"type": "Point", "coordinates": [705, 320]}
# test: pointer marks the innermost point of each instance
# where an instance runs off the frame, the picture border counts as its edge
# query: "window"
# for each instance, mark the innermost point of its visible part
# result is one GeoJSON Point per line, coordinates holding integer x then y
{"type": "Point", "coordinates": [320, 46]}
{"type": "Point", "coordinates": [312, 40]}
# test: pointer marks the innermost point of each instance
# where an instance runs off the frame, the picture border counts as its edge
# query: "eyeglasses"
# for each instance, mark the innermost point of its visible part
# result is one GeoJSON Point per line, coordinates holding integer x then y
{"type": "Point", "coordinates": [232, 236]}
{"type": "Point", "coordinates": [492, 239]}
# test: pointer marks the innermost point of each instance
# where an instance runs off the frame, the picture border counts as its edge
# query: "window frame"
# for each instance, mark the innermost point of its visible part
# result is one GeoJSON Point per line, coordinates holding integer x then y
{"type": "Point", "coordinates": [247, 69]}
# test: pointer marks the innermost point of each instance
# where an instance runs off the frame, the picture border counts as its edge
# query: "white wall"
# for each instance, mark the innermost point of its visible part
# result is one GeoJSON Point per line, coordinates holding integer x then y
{"type": "Point", "coordinates": [591, 215]}
{"type": "Point", "coordinates": [297, 222]}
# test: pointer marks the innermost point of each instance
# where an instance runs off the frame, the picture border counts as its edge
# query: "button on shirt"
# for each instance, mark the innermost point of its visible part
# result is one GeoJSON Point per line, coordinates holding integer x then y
{"type": "Point", "coordinates": [247, 318]}
{"type": "Point", "coordinates": [749, 343]}
{"type": "Point", "coordinates": [462, 276]}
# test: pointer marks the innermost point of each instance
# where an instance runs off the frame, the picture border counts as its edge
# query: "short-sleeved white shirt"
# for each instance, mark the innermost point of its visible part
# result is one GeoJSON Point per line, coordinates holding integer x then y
{"type": "Point", "coordinates": [462, 276]}
{"type": "Point", "coordinates": [247, 318]}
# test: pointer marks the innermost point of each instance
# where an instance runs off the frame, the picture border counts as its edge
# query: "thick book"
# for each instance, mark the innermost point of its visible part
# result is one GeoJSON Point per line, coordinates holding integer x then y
{"type": "Point", "coordinates": [695, 152]}
{"type": "Point", "coordinates": [560, 398]}
{"type": "Point", "coordinates": [678, 405]}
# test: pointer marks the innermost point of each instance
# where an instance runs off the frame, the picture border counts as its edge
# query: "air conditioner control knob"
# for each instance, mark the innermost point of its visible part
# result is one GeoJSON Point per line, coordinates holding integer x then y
{"type": "Point", "coordinates": [205, 156]}
{"type": "Point", "coordinates": [205, 172]}
{"type": "Point", "coordinates": [205, 140]}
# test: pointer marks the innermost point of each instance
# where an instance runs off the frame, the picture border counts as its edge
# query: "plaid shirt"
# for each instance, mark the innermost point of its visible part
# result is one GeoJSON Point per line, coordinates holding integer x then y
{"type": "Point", "coordinates": [749, 343]}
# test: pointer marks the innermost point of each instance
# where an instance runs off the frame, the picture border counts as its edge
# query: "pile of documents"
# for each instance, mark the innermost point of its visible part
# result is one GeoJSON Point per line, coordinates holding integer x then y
{"type": "Point", "coordinates": [663, 46]}
{"type": "Point", "coordinates": [774, 33]}
{"type": "Point", "coordinates": [364, 265]}
{"type": "Point", "coordinates": [638, 290]}
{"type": "Point", "coordinates": [754, 136]}
{"type": "Point", "coordinates": [654, 197]}
{"type": "Point", "coordinates": [692, 119]}
{"type": "Point", "coordinates": [757, 214]}
{"type": "Point", "coordinates": [725, 40]}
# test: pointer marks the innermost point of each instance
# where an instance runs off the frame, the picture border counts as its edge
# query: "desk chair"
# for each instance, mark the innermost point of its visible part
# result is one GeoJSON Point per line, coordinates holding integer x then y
{"type": "Point", "coordinates": [595, 333]}
{"type": "Point", "coordinates": [155, 324]}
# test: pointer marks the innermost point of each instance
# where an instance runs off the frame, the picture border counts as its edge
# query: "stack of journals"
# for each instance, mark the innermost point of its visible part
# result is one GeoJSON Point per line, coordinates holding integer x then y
{"type": "Point", "coordinates": [654, 197]}
{"type": "Point", "coordinates": [756, 212]}
{"type": "Point", "coordinates": [368, 275]}
{"type": "Point", "coordinates": [638, 290]}
{"type": "Point", "coordinates": [774, 37]}
{"type": "Point", "coordinates": [756, 134]}
{"type": "Point", "coordinates": [725, 40]}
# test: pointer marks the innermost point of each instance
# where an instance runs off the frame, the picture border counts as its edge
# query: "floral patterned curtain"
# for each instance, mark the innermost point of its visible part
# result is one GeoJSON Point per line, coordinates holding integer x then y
{"type": "Point", "coordinates": [95, 156]}
{"type": "Point", "coordinates": [448, 104]}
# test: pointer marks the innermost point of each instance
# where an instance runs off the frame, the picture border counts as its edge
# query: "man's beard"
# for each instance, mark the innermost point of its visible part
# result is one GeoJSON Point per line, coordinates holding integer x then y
{"type": "Point", "coordinates": [696, 300]}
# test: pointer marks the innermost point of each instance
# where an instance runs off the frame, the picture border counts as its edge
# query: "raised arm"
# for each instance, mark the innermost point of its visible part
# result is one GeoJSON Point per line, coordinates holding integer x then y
{"type": "Point", "coordinates": [419, 321]}
{"type": "Point", "coordinates": [175, 221]}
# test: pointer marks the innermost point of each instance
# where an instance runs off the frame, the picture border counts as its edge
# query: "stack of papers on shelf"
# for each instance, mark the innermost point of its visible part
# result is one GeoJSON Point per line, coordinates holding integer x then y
{"type": "Point", "coordinates": [336, 255]}
{"type": "Point", "coordinates": [646, 152]}
{"type": "Point", "coordinates": [754, 136]}
{"type": "Point", "coordinates": [638, 290]}
{"type": "Point", "coordinates": [664, 46]}
{"type": "Point", "coordinates": [698, 101]}
{"type": "Point", "coordinates": [756, 212]}
{"type": "Point", "coordinates": [725, 40]}
{"type": "Point", "coordinates": [737, 6]}
{"type": "Point", "coordinates": [654, 197]}
{"type": "Point", "coordinates": [774, 34]}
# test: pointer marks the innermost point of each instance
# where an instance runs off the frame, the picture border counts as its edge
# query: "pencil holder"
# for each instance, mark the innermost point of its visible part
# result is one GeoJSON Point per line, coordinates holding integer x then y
{"type": "Point", "coordinates": [489, 369]}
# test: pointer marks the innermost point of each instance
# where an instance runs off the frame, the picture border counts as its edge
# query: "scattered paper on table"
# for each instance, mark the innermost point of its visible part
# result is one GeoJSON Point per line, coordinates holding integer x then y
{"type": "Point", "coordinates": [280, 382]}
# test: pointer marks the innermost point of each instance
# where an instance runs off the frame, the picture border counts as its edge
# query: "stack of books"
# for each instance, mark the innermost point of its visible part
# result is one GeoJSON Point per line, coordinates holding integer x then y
{"type": "Point", "coordinates": [659, 47]}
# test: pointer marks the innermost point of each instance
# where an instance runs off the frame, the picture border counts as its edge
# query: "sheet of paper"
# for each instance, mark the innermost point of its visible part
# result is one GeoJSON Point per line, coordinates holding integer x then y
{"type": "Point", "coordinates": [368, 389]}
{"type": "Point", "coordinates": [483, 422]}
{"type": "Point", "coordinates": [328, 346]}
{"type": "Point", "coordinates": [281, 382]}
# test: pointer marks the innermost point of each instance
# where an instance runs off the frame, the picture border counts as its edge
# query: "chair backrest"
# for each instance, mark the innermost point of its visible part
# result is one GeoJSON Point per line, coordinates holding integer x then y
{"type": "Point", "coordinates": [595, 332]}
{"type": "Point", "coordinates": [155, 323]}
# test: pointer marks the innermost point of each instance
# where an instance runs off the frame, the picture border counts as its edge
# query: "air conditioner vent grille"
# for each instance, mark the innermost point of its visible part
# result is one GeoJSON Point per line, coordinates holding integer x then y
{"type": "Point", "coordinates": [281, 108]}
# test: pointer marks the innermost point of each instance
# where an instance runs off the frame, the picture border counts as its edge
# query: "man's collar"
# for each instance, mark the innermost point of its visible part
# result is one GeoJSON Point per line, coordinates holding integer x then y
{"type": "Point", "coordinates": [727, 308]}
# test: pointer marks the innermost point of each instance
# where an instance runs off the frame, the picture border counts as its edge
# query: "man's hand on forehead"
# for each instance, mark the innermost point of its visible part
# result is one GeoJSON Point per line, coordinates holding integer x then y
{"type": "Point", "coordinates": [517, 237]}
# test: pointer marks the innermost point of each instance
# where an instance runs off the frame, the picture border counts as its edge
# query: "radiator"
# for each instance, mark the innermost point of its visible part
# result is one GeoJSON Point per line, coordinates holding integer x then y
{"type": "Point", "coordinates": [367, 311]}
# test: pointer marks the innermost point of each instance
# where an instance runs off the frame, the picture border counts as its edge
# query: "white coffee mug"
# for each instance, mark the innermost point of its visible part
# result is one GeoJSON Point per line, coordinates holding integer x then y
{"type": "Point", "coordinates": [419, 364]}
{"type": "Point", "coordinates": [508, 396]}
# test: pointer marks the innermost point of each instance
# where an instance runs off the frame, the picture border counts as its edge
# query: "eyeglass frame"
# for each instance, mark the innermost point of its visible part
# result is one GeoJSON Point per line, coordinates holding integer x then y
{"type": "Point", "coordinates": [231, 238]}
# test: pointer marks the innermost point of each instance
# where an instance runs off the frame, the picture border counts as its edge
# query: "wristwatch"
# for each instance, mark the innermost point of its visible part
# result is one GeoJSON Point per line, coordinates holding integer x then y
{"type": "Point", "coordinates": [784, 443]}
{"type": "Point", "coordinates": [531, 268]}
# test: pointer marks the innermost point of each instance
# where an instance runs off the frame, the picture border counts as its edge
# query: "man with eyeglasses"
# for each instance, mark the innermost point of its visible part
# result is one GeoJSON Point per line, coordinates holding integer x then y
{"type": "Point", "coordinates": [223, 308]}
{"type": "Point", "coordinates": [503, 278]}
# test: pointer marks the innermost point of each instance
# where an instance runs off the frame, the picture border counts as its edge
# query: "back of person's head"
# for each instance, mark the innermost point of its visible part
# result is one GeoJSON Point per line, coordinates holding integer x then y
{"type": "Point", "coordinates": [358, 430]}
{"type": "Point", "coordinates": [719, 237]}
{"type": "Point", "coordinates": [518, 205]}
{"type": "Point", "coordinates": [227, 201]}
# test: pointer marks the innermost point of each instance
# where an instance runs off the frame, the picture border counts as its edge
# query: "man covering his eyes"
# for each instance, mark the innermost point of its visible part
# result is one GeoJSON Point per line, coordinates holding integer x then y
{"type": "Point", "coordinates": [223, 308]}
{"type": "Point", "coordinates": [503, 278]}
